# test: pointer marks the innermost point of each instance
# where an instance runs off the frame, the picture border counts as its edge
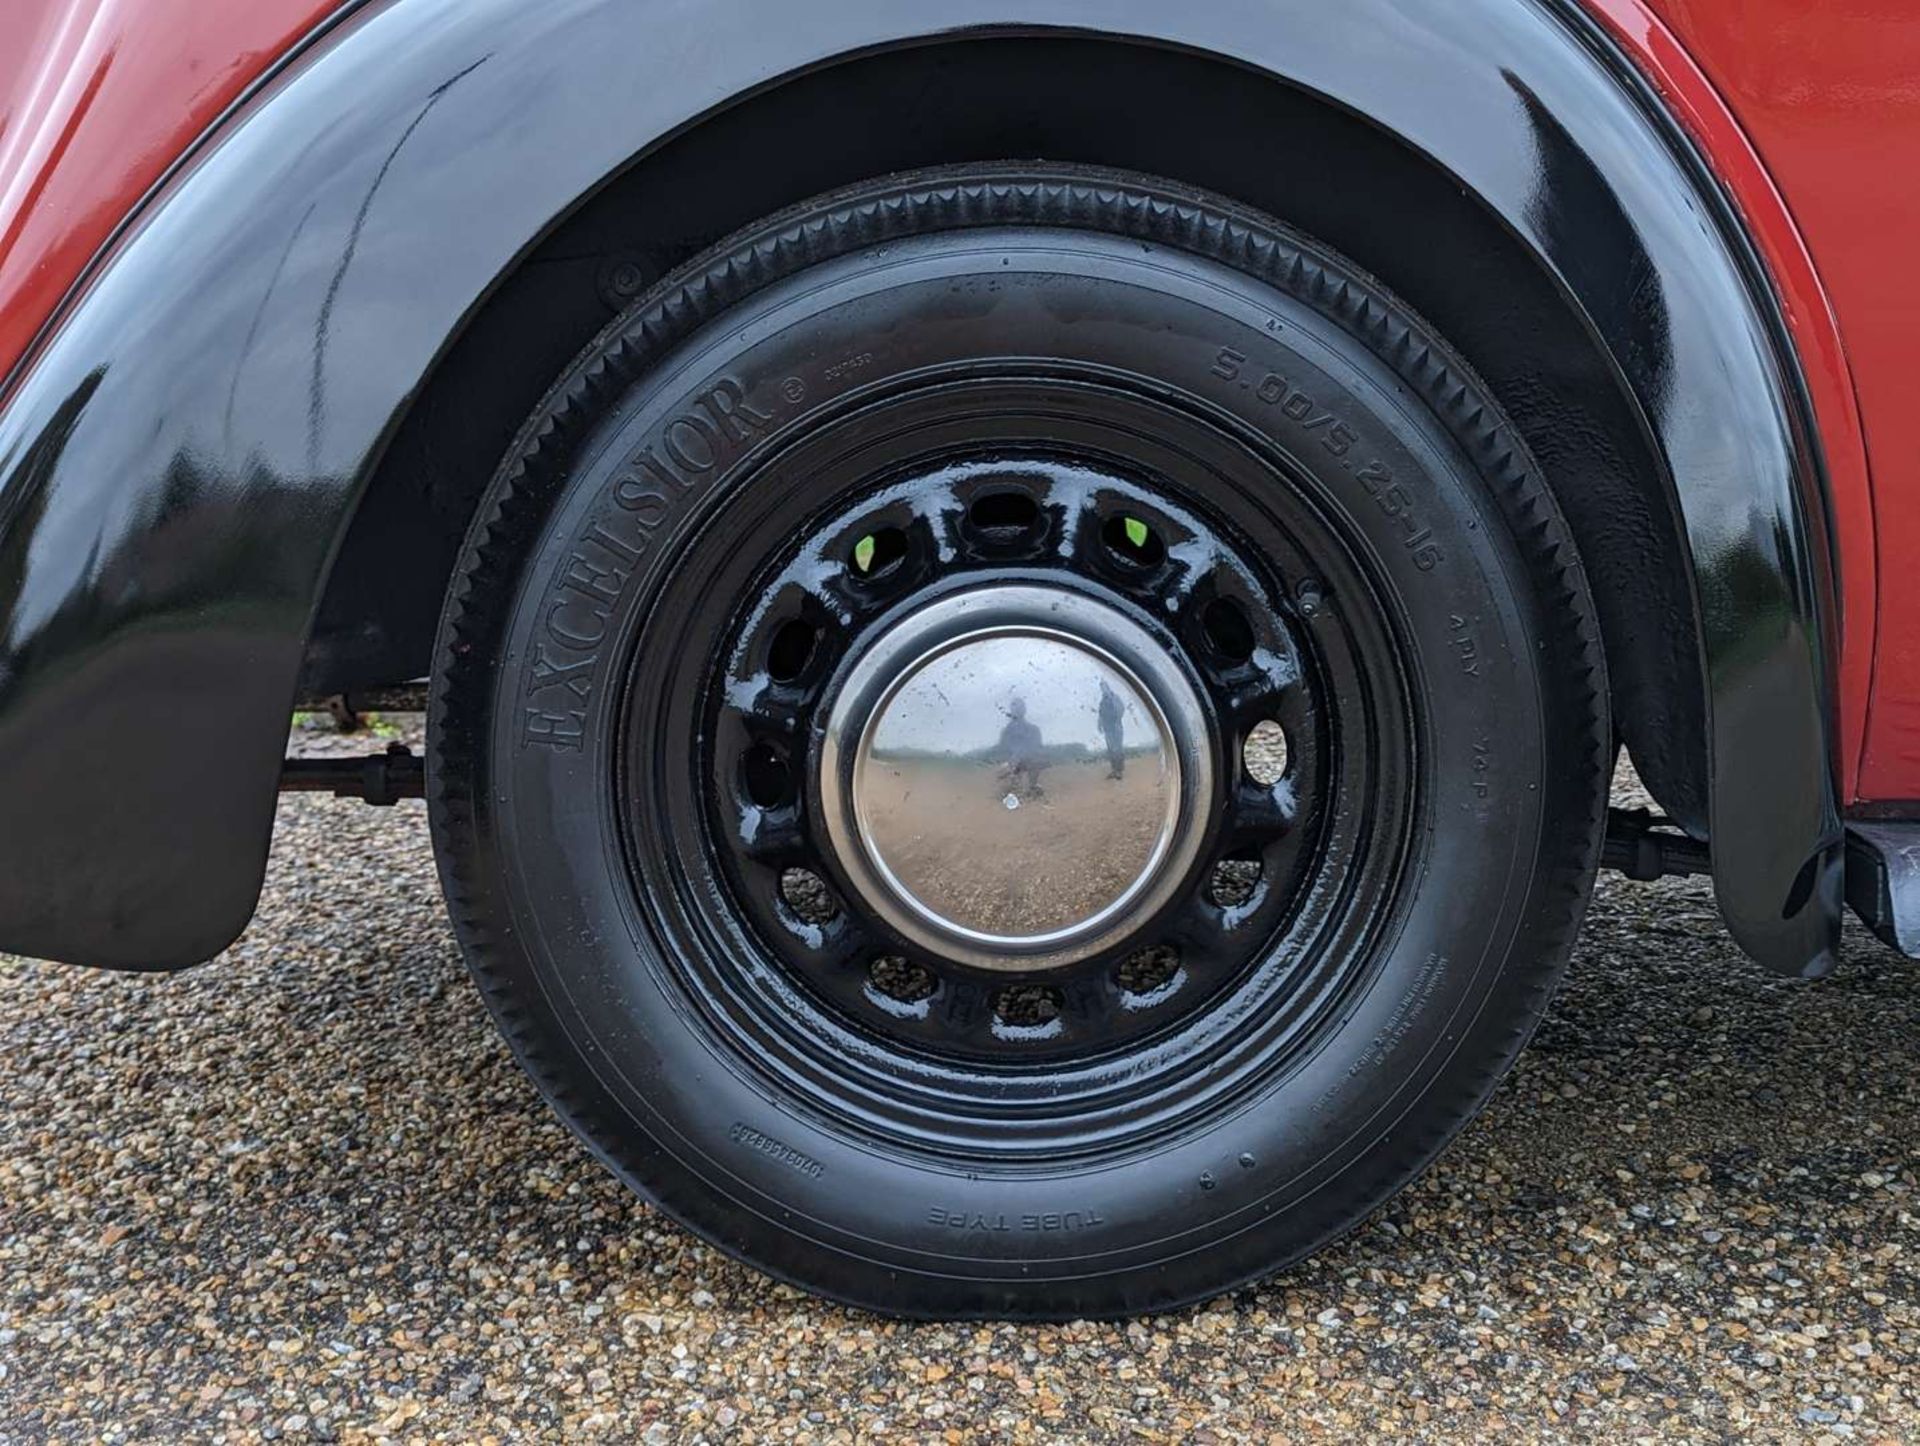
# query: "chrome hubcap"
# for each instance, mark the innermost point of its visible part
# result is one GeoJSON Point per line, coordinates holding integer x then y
{"type": "Point", "coordinates": [1016, 776]}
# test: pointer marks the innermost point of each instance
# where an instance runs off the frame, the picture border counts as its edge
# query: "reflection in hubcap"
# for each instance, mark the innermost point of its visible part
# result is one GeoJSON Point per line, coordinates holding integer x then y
{"type": "Point", "coordinates": [993, 788]}
{"type": "Point", "coordinates": [1011, 775]}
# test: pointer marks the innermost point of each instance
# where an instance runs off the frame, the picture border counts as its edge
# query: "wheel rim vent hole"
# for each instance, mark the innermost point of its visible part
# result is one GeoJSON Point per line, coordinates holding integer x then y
{"type": "Point", "coordinates": [1227, 630]}
{"type": "Point", "coordinates": [806, 893]}
{"type": "Point", "coordinates": [767, 775]}
{"type": "Point", "coordinates": [1134, 542]}
{"type": "Point", "coordinates": [879, 553]}
{"type": "Point", "coordinates": [1148, 970]}
{"type": "Point", "coordinates": [1026, 1006]}
{"type": "Point", "coordinates": [1005, 514]}
{"type": "Point", "coordinates": [1233, 882]}
{"type": "Point", "coordinates": [1264, 753]}
{"type": "Point", "coordinates": [791, 650]}
{"type": "Point", "coordinates": [902, 980]}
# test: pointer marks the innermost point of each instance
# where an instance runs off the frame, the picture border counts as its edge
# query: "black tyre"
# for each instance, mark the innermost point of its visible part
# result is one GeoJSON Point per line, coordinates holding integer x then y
{"type": "Point", "coordinates": [1106, 1011]}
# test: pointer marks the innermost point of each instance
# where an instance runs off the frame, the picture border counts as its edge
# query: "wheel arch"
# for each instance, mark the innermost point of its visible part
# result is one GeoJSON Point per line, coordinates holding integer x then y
{"type": "Point", "coordinates": [1640, 336]}
{"type": "Point", "coordinates": [1465, 270]}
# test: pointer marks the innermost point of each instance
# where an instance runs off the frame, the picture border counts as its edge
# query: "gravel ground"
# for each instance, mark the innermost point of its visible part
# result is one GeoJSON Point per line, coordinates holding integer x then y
{"type": "Point", "coordinates": [303, 1193]}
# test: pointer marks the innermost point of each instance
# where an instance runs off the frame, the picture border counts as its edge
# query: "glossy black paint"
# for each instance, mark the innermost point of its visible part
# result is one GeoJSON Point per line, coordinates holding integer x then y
{"type": "Point", "coordinates": [178, 466]}
{"type": "Point", "coordinates": [1284, 914]}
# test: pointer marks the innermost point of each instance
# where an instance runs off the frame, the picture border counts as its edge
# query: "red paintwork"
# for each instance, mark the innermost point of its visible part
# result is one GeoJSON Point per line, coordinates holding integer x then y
{"type": "Point", "coordinates": [97, 99]}
{"type": "Point", "coordinates": [1810, 114]}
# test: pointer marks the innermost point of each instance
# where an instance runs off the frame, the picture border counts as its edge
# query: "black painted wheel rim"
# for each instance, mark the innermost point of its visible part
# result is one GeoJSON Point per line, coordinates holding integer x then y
{"type": "Point", "coordinates": [1203, 535]}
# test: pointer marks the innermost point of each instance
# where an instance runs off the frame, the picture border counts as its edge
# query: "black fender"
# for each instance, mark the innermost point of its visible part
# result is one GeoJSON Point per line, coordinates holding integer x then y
{"type": "Point", "coordinates": [180, 460]}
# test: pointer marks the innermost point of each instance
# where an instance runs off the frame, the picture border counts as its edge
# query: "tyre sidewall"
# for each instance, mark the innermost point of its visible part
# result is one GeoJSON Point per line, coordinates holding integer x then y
{"type": "Point", "coordinates": [602, 1023]}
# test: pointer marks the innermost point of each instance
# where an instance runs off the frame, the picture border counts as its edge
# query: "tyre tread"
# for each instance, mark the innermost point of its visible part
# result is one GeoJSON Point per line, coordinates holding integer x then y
{"type": "Point", "coordinates": [1156, 212]}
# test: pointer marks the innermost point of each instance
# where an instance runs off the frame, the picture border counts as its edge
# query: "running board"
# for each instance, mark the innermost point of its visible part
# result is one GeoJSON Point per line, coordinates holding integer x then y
{"type": "Point", "coordinates": [1883, 881]}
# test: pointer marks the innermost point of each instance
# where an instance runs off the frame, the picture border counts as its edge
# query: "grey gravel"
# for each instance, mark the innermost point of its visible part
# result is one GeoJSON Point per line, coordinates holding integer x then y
{"type": "Point", "coordinates": [302, 1194]}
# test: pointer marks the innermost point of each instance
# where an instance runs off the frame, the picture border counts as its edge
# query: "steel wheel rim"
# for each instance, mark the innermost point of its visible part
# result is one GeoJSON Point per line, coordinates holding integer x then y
{"type": "Point", "coordinates": [1042, 1092]}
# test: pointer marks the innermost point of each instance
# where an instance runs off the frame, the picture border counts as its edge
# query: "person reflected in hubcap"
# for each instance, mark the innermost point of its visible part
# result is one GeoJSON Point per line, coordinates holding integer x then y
{"type": "Point", "coordinates": [1112, 711]}
{"type": "Point", "coordinates": [1022, 751]}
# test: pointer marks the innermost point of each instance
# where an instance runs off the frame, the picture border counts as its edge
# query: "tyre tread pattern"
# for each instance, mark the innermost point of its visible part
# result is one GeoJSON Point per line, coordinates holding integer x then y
{"type": "Point", "coordinates": [1156, 212]}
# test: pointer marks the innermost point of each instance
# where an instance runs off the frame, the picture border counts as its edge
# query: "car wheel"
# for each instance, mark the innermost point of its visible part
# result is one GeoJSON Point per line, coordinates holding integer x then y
{"type": "Point", "coordinates": [1018, 741]}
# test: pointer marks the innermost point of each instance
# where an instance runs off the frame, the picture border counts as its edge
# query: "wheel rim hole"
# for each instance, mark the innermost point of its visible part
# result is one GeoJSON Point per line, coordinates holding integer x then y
{"type": "Point", "coordinates": [1133, 541]}
{"type": "Point", "coordinates": [1004, 514]}
{"type": "Point", "coordinates": [902, 980]}
{"type": "Point", "coordinates": [1028, 1006]}
{"type": "Point", "coordinates": [1148, 970]}
{"type": "Point", "coordinates": [805, 892]}
{"type": "Point", "coordinates": [879, 553]}
{"type": "Point", "coordinates": [767, 775]}
{"type": "Point", "coordinates": [791, 650]}
{"type": "Point", "coordinates": [1234, 881]}
{"type": "Point", "coordinates": [1227, 630]}
{"type": "Point", "coordinates": [1264, 754]}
